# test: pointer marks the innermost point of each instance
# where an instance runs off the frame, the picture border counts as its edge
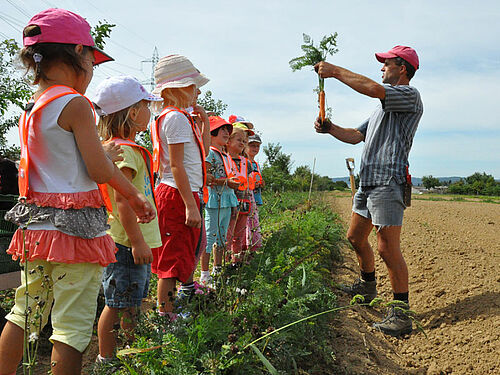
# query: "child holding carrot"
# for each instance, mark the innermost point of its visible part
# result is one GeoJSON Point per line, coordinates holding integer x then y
{"type": "Point", "coordinates": [221, 196]}
{"type": "Point", "coordinates": [124, 282]}
{"type": "Point", "coordinates": [179, 152]}
{"type": "Point", "coordinates": [62, 211]}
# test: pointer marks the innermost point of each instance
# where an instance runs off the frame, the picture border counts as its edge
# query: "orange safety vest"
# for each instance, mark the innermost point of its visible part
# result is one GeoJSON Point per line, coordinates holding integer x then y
{"type": "Point", "coordinates": [26, 121]}
{"type": "Point", "coordinates": [256, 176]}
{"type": "Point", "coordinates": [155, 138]}
{"type": "Point", "coordinates": [229, 165]}
{"type": "Point", "coordinates": [241, 174]}
{"type": "Point", "coordinates": [146, 155]}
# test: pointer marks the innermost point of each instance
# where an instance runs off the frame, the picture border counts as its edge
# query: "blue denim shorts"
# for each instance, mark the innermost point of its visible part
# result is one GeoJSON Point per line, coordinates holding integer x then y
{"type": "Point", "coordinates": [125, 284]}
{"type": "Point", "coordinates": [216, 233]}
{"type": "Point", "coordinates": [382, 204]}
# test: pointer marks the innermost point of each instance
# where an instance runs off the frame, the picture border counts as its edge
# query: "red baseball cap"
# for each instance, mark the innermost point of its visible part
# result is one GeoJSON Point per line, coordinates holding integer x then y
{"type": "Point", "coordinates": [406, 53]}
{"type": "Point", "coordinates": [63, 26]}
{"type": "Point", "coordinates": [216, 122]}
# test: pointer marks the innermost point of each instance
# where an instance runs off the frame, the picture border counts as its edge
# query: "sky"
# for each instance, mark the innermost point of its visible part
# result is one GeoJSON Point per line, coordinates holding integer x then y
{"type": "Point", "coordinates": [244, 48]}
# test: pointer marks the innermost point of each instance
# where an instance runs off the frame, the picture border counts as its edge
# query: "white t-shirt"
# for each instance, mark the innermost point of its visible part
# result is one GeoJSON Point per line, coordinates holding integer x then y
{"type": "Point", "coordinates": [175, 128]}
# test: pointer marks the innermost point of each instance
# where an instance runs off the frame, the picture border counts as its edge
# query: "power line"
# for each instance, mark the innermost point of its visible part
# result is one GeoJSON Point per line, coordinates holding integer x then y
{"type": "Point", "coordinates": [12, 19]}
{"type": "Point", "coordinates": [5, 36]}
{"type": "Point", "coordinates": [10, 24]}
{"type": "Point", "coordinates": [128, 66]}
{"type": "Point", "coordinates": [125, 48]}
{"type": "Point", "coordinates": [49, 4]}
{"type": "Point", "coordinates": [121, 25]}
{"type": "Point", "coordinates": [110, 68]}
{"type": "Point", "coordinates": [21, 10]}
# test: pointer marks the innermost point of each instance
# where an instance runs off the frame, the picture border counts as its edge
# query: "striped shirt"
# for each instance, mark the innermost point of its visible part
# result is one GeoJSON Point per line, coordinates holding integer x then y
{"type": "Point", "coordinates": [389, 135]}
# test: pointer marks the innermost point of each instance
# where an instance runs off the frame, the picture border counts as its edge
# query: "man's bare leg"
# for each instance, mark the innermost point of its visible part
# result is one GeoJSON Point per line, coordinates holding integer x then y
{"type": "Point", "coordinates": [389, 249]}
{"type": "Point", "coordinates": [357, 234]}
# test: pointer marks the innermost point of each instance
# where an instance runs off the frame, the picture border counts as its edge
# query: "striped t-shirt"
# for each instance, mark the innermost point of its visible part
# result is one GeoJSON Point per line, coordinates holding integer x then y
{"type": "Point", "coordinates": [389, 135]}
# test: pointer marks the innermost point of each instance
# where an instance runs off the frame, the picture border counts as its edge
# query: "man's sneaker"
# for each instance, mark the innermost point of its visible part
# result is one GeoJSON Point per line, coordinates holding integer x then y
{"type": "Point", "coordinates": [368, 289]}
{"type": "Point", "coordinates": [396, 322]}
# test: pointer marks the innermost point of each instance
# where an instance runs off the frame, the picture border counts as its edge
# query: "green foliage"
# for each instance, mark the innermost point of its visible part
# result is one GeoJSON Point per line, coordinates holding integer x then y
{"type": "Point", "coordinates": [144, 139]}
{"type": "Point", "coordinates": [15, 90]}
{"type": "Point", "coordinates": [315, 54]}
{"type": "Point", "coordinates": [282, 286]}
{"type": "Point", "coordinates": [476, 184]}
{"type": "Point", "coordinates": [276, 173]}
{"type": "Point", "coordinates": [210, 104]}
{"type": "Point", "coordinates": [101, 32]}
{"type": "Point", "coordinates": [430, 182]}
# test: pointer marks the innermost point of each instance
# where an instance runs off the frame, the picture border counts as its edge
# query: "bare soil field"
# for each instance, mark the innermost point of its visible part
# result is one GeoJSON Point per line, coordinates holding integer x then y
{"type": "Point", "coordinates": [452, 249]}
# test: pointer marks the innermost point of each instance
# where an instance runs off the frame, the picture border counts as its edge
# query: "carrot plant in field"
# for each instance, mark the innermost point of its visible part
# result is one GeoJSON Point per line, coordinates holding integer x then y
{"type": "Point", "coordinates": [313, 55]}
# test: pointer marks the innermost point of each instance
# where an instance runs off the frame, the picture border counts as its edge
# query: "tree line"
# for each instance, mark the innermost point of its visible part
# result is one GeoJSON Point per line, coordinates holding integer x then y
{"type": "Point", "coordinates": [277, 174]}
{"type": "Point", "coordinates": [476, 184]}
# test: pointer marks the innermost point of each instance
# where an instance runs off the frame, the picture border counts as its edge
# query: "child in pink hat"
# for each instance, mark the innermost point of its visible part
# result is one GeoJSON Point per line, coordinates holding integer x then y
{"type": "Point", "coordinates": [179, 157]}
{"type": "Point", "coordinates": [62, 214]}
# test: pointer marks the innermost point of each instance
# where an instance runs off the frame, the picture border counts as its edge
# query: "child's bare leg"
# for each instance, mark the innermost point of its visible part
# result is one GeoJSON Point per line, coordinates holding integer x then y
{"type": "Point", "coordinates": [205, 261]}
{"type": "Point", "coordinates": [11, 348]}
{"type": "Point", "coordinates": [164, 299]}
{"type": "Point", "coordinates": [128, 322]}
{"type": "Point", "coordinates": [218, 250]}
{"type": "Point", "coordinates": [106, 331]}
{"type": "Point", "coordinates": [65, 360]}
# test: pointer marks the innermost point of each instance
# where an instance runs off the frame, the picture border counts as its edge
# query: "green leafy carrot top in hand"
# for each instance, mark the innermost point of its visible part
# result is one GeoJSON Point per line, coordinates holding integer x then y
{"type": "Point", "coordinates": [313, 55]}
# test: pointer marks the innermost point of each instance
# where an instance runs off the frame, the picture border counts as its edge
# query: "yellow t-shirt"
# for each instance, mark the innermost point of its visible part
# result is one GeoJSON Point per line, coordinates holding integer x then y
{"type": "Point", "coordinates": [132, 158]}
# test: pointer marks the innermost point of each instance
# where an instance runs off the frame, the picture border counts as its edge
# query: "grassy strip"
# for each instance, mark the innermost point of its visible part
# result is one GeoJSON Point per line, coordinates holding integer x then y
{"type": "Point", "coordinates": [221, 332]}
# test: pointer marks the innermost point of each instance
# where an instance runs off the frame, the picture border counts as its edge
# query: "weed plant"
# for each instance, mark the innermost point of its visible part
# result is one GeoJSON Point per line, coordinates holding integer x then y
{"type": "Point", "coordinates": [286, 281]}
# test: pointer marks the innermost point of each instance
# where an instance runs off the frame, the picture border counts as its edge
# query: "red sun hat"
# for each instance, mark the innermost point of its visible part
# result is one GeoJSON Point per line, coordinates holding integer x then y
{"type": "Point", "coordinates": [65, 27]}
{"type": "Point", "coordinates": [406, 53]}
{"type": "Point", "coordinates": [216, 122]}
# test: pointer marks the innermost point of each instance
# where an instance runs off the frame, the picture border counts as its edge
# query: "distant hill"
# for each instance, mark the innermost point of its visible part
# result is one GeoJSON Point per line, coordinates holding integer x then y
{"type": "Point", "coordinates": [417, 181]}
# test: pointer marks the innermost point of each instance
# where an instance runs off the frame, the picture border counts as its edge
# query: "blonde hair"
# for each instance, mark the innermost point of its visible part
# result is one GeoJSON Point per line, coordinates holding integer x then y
{"type": "Point", "coordinates": [240, 131]}
{"type": "Point", "coordinates": [181, 97]}
{"type": "Point", "coordinates": [117, 124]}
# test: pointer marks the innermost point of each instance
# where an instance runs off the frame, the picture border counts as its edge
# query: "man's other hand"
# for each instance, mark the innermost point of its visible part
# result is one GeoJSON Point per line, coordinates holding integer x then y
{"type": "Point", "coordinates": [322, 126]}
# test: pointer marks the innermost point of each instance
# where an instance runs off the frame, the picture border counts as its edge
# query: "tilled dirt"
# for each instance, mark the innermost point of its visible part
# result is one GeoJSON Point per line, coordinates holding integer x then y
{"type": "Point", "coordinates": [453, 254]}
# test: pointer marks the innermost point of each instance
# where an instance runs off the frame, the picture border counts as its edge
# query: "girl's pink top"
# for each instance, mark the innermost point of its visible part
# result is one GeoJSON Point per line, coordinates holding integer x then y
{"type": "Point", "coordinates": [58, 178]}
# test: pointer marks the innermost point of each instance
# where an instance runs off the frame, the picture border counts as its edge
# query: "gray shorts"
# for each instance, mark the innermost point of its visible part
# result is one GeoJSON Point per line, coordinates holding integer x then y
{"type": "Point", "coordinates": [382, 204]}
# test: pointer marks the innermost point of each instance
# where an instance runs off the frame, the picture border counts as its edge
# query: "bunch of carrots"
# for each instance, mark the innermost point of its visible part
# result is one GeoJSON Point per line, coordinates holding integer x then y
{"type": "Point", "coordinates": [313, 55]}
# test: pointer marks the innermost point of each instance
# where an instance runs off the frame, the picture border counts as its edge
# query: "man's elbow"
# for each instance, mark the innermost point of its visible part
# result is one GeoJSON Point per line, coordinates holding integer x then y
{"type": "Point", "coordinates": [354, 141]}
{"type": "Point", "coordinates": [376, 91]}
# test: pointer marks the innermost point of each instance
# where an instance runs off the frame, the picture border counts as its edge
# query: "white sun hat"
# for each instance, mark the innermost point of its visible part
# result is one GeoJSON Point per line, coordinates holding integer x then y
{"type": "Point", "coordinates": [176, 71]}
{"type": "Point", "coordinates": [120, 92]}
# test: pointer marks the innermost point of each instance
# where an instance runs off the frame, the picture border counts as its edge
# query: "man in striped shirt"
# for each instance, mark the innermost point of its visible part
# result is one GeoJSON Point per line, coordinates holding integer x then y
{"type": "Point", "coordinates": [388, 136]}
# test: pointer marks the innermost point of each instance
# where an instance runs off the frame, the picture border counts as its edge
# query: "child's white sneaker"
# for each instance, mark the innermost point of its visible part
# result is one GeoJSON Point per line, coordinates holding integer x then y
{"type": "Point", "coordinates": [205, 278]}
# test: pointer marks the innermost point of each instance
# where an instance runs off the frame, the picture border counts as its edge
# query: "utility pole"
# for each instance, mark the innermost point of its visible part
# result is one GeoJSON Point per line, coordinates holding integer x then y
{"type": "Point", "coordinates": [153, 60]}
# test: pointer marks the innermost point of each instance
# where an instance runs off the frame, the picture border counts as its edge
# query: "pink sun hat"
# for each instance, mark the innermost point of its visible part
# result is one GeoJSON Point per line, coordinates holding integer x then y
{"type": "Point", "coordinates": [177, 71]}
{"type": "Point", "coordinates": [63, 26]}
{"type": "Point", "coordinates": [406, 53]}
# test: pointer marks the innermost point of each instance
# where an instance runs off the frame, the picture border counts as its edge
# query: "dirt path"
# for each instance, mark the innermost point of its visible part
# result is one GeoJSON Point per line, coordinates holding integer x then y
{"type": "Point", "coordinates": [453, 254]}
